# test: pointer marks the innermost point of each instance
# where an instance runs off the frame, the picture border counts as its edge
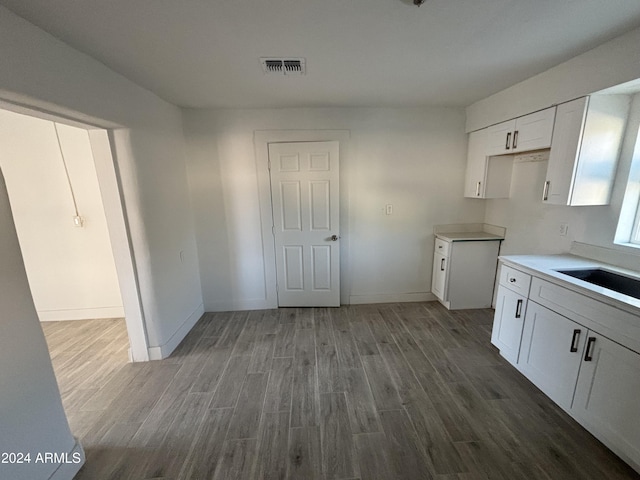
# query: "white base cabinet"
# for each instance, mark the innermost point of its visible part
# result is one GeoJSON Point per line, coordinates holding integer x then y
{"type": "Point", "coordinates": [606, 398]}
{"type": "Point", "coordinates": [511, 307]}
{"type": "Point", "coordinates": [592, 377]}
{"type": "Point", "coordinates": [464, 273]}
{"type": "Point", "coordinates": [508, 323]}
{"type": "Point", "coordinates": [439, 278]}
{"type": "Point", "coordinates": [550, 354]}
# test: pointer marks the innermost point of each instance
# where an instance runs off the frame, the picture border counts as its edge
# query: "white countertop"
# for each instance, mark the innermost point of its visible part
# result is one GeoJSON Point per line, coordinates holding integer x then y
{"type": "Point", "coordinates": [545, 266]}
{"type": "Point", "coordinates": [468, 236]}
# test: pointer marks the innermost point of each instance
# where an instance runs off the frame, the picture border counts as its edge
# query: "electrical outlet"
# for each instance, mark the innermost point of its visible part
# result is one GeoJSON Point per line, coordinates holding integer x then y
{"type": "Point", "coordinates": [564, 228]}
{"type": "Point", "coordinates": [389, 209]}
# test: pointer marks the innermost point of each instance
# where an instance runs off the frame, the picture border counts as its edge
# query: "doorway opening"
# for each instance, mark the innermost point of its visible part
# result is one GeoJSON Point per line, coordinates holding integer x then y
{"type": "Point", "coordinates": [65, 197]}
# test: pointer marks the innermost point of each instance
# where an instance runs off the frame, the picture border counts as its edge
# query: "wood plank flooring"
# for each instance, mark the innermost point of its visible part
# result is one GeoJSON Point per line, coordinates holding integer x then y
{"type": "Point", "coordinates": [394, 391]}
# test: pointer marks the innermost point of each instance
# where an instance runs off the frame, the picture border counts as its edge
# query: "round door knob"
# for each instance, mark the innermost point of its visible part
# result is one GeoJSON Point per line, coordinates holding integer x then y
{"type": "Point", "coordinates": [334, 238]}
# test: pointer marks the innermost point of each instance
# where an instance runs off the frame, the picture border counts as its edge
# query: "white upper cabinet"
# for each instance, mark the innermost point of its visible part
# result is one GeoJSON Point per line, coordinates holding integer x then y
{"type": "Point", "coordinates": [530, 132]}
{"type": "Point", "coordinates": [486, 177]}
{"type": "Point", "coordinates": [534, 131]}
{"type": "Point", "coordinates": [500, 138]}
{"type": "Point", "coordinates": [586, 143]}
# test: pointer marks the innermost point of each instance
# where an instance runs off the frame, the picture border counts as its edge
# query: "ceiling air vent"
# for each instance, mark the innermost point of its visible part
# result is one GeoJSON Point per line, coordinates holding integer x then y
{"type": "Point", "coordinates": [283, 66]}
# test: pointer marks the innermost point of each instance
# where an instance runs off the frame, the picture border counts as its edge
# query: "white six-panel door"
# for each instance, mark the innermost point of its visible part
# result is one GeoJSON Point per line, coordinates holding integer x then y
{"type": "Point", "coordinates": [305, 202]}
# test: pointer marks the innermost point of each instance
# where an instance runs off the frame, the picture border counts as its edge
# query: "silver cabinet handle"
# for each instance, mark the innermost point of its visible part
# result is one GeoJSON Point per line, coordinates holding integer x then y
{"type": "Point", "coordinates": [545, 195]}
{"type": "Point", "coordinates": [478, 189]}
{"type": "Point", "coordinates": [519, 308]}
{"type": "Point", "coordinates": [507, 146]}
{"type": "Point", "coordinates": [442, 264]}
{"type": "Point", "coordinates": [515, 139]}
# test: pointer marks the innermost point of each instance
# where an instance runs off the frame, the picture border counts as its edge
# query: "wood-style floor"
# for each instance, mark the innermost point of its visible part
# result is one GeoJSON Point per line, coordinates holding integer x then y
{"type": "Point", "coordinates": [397, 391]}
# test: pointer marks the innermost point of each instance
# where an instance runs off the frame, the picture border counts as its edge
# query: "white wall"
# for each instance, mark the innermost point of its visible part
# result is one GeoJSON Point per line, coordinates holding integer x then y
{"type": "Point", "coordinates": [32, 419]}
{"type": "Point", "coordinates": [612, 63]}
{"type": "Point", "coordinates": [71, 270]}
{"type": "Point", "coordinates": [411, 158]}
{"type": "Point", "coordinates": [40, 71]}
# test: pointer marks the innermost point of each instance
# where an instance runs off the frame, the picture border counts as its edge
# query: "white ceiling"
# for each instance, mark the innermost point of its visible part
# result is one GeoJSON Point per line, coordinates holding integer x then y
{"type": "Point", "coordinates": [205, 53]}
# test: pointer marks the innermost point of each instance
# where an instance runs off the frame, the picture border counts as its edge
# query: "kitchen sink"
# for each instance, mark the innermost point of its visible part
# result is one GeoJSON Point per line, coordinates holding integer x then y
{"type": "Point", "coordinates": [604, 278]}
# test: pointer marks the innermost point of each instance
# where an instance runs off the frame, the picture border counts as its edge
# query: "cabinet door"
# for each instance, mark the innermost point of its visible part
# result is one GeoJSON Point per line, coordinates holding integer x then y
{"type": "Point", "coordinates": [500, 138]}
{"type": "Point", "coordinates": [602, 137]}
{"type": "Point", "coordinates": [508, 323]}
{"type": "Point", "coordinates": [567, 133]}
{"type": "Point", "coordinates": [551, 352]}
{"type": "Point", "coordinates": [534, 131]}
{"type": "Point", "coordinates": [606, 399]}
{"type": "Point", "coordinates": [439, 278]}
{"type": "Point", "coordinates": [476, 164]}
{"type": "Point", "coordinates": [486, 177]}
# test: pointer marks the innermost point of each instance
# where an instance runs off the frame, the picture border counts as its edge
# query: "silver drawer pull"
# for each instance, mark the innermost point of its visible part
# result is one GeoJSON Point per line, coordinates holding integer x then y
{"type": "Point", "coordinates": [512, 280]}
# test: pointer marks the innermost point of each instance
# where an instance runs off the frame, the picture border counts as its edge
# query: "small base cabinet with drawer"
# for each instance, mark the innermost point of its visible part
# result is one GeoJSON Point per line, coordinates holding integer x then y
{"type": "Point", "coordinates": [564, 353]}
{"type": "Point", "coordinates": [464, 272]}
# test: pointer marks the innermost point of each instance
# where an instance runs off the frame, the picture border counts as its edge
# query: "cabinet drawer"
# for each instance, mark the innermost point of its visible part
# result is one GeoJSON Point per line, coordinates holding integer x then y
{"type": "Point", "coordinates": [515, 280]}
{"type": "Point", "coordinates": [442, 247]}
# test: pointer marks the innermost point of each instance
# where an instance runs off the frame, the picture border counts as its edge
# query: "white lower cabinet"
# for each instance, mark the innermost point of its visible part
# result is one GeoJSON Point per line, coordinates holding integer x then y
{"type": "Point", "coordinates": [508, 322]}
{"type": "Point", "coordinates": [464, 272]}
{"type": "Point", "coordinates": [550, 353]}
{"type": "Point", "coordinates": [606, 397]}
{"type": "Point", "coordinates": [592, 377]}
{"type": "Point", "coordinates": [439, 278]}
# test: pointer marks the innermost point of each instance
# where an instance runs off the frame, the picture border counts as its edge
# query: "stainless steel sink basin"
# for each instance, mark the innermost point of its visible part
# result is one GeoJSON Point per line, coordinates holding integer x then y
{"type": "Point", "coordinates": [603, 278]}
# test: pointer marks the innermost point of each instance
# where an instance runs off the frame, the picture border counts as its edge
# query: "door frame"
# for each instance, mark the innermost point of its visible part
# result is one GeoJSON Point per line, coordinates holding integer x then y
{"type": "Point", "coordinates": [261, 141]}
{"type": "Point", "coordinates": [102, 140]}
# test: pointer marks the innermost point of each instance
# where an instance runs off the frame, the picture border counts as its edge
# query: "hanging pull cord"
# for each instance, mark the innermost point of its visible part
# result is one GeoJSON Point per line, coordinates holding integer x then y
{"type": "Point", "coordinates": [77, 219]}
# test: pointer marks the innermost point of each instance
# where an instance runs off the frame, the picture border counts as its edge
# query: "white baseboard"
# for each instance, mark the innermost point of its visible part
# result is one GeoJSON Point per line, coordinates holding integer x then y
{"type": "Point", "coordinates": [263, 304]}
{"type": "Point", "coordinates": [239, 305]}
{"type": "Point", "coordinates": [392, 298]}
{"type": "Point", "coordinates": [80, 314]}
{"type": "Point", "coordinates": [163, 351]}
{"type": "Point", "coordinates": [66, 471]}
